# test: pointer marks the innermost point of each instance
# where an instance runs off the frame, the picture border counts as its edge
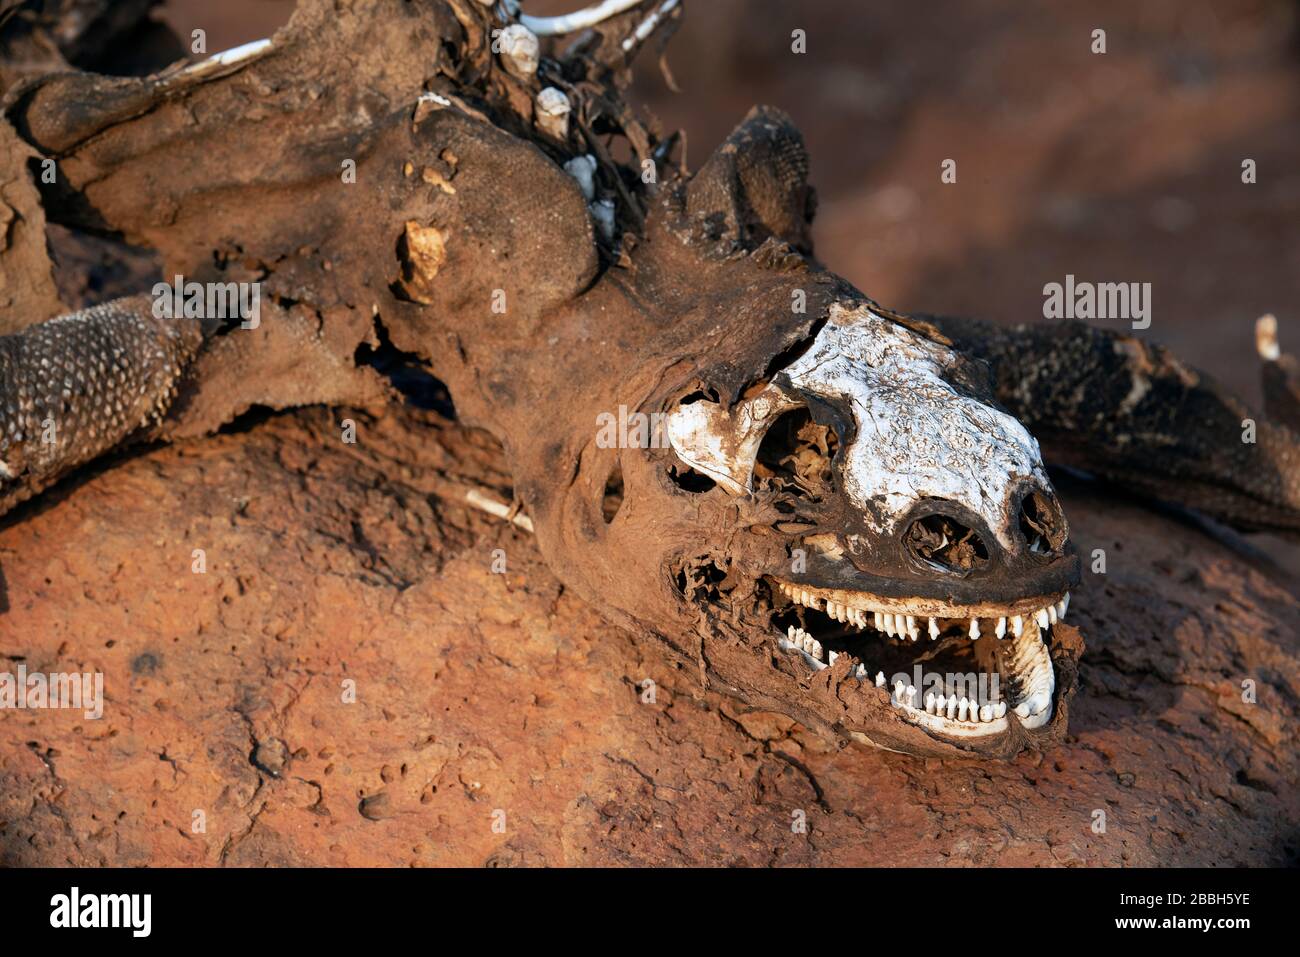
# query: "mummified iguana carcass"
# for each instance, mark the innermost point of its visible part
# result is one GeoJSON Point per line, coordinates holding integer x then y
{"type": "Point", "coordinates": [719, 442]}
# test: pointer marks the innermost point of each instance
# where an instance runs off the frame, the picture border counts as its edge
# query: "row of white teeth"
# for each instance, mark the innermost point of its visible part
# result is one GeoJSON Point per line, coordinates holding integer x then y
{"type": "Point", "coordinates": [908, 626]}
{"type": "Point", "coordinates": [1029, 659]}
{"type": "Point", "coordinates": [952, 708]}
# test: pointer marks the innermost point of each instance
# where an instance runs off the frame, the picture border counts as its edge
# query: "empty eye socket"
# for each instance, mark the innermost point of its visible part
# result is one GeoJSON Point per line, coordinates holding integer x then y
{"type": "Point", "coordinates": [1041, 524]}
{"type": "Point", "coordinates": [796, 453]}
{"type": "Point", "coordinates": [945, 543]}
{"type": "Point", "coordinates": [689, 480]}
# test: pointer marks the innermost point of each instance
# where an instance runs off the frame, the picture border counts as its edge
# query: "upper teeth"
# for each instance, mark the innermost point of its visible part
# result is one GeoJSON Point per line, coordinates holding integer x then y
{"type": "Point", "coordinates": [898, 625]}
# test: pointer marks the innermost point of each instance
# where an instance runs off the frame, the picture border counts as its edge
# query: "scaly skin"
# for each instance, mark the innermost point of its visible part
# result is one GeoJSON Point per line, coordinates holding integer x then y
{"type": "Point", "coordinates": [83, 384]}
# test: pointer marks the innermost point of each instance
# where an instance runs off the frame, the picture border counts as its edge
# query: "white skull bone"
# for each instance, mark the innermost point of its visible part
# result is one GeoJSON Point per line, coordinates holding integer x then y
{"type": "Point", "coordinates": [916, 437]}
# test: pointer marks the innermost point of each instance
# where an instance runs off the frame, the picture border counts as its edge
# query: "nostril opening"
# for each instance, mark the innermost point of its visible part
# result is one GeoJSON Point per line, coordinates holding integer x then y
{"type": "Point", "coordinates": [1041, 524]}
{"type": "Point", "coordinates": [945, 544]}
{"type": "Point", "coordinates": [796, 453]}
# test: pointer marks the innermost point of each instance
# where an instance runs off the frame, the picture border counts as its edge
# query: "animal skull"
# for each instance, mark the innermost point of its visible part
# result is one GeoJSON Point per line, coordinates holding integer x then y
{"type": "Point", "coordinates": [932, 527]}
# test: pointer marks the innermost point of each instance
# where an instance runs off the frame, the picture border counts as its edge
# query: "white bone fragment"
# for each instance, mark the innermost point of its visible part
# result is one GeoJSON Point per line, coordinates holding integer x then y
{"type": "Point", "coordinates": [578, 19]}
{"type": "Point", "coordinates": [552, 111]}
{"type": "Point", "coordinates": [520, 51]}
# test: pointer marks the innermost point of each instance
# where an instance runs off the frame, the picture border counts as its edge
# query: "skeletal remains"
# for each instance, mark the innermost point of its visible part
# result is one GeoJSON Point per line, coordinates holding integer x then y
{"type": "Point", "coordinates": [846, 493]}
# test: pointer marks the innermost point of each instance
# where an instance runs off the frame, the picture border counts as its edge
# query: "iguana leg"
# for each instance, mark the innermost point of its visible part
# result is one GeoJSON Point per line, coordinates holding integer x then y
{"type": "Point", "coordinates": [1129, 411]}
{"type": "Point", "coordinates": [86, 383]}
{"type": "Point", "coordinates": [79, 385]}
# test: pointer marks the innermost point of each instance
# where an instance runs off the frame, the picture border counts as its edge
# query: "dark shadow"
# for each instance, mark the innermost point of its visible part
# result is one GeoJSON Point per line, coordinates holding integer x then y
{"type": "Point", "coordinates": [408, 373]}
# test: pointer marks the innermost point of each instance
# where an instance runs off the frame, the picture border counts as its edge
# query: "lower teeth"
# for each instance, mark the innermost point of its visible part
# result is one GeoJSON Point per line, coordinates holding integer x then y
{"type": "Point", "coordinates": [1028, 658]}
